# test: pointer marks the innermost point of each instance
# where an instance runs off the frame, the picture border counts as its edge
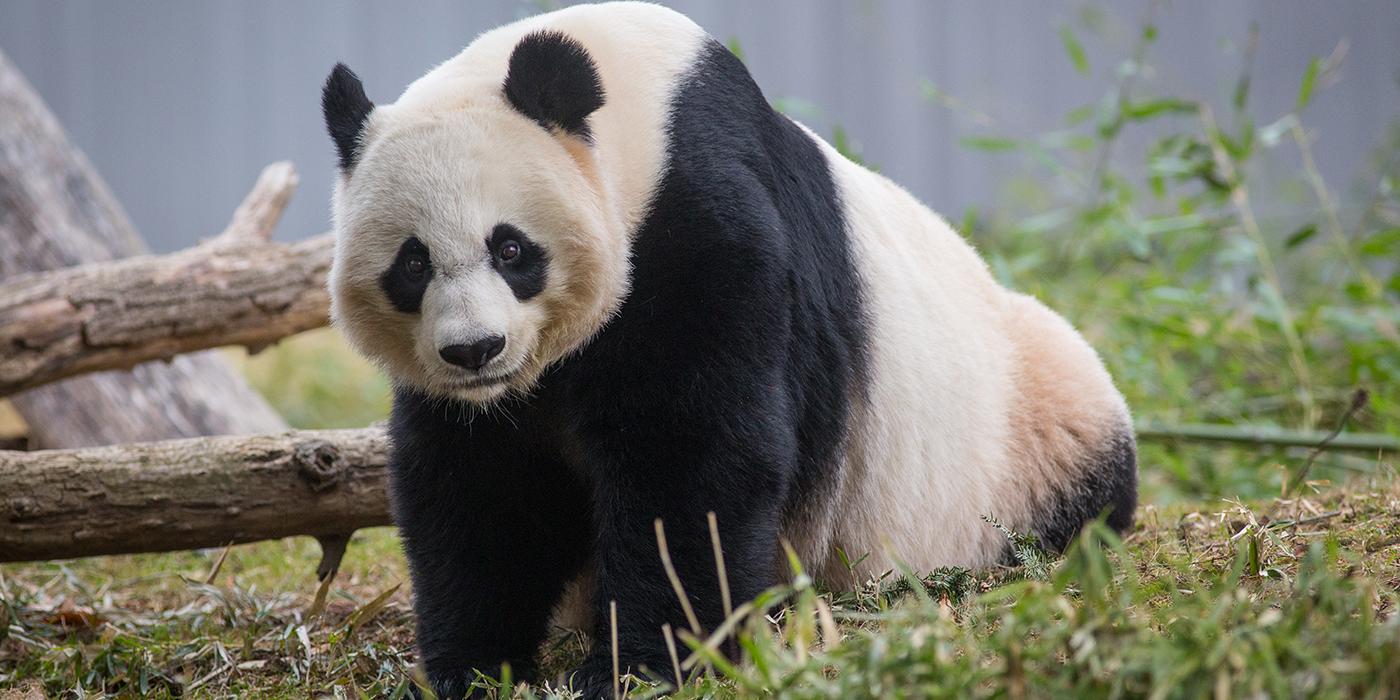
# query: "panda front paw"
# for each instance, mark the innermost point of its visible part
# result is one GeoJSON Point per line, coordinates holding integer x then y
{"type": "Point", "coordinates": [450, 688]}
{"type": "Point", "coordinates": [593, 680]}
{"type": "Point", "coordinates": [466, 685]}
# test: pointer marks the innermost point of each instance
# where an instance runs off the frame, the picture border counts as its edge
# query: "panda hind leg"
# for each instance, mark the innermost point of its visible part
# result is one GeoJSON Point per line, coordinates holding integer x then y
{"type": "Point", "coordinates": [1073, 447]}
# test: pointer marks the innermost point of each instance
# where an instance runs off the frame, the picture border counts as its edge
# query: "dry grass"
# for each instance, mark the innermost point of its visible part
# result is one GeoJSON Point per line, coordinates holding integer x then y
{"type": "Point", "coordinates": [151, 625]}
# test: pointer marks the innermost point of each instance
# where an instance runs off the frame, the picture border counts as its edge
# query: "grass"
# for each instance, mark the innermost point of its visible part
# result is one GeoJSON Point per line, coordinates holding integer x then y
{"type": "Point", "coordinates": [315, 381]}
{"type": "Point", "coordinates": [1211, 297]}
{"type": "Point", "coordinates": [160, 624]}
{"type": "Point", "coordinates": [1284, 597]}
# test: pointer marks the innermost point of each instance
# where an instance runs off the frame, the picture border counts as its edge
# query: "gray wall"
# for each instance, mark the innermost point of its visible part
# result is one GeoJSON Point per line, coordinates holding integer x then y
{"type": "Point", "coordinates": [180, 104]}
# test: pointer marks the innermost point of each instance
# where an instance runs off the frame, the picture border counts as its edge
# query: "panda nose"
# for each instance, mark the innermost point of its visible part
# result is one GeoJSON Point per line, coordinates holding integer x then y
{"type": "Point", "coordinates": [476, 355]}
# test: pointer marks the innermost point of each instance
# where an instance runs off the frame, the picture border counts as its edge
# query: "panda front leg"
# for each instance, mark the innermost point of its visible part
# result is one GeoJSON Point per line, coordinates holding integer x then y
{"type": "Point", "coordinates": [493, 530]}
{"type": "Point", "coordinates": [736, 464]}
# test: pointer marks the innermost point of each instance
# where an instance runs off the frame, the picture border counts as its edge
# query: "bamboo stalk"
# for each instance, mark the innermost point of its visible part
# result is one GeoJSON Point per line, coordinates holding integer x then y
{"type": "Point", "coordinates": [1266, 437]}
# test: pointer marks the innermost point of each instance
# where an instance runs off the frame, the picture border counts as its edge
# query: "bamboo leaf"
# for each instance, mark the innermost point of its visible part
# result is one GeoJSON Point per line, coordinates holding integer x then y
{"type": "Point", "coordinates": [1305, 90]}
{"type": "Point", "coordinates": [1241, 96]}
{"type": "Point", "coordinates": [735, 48]}
{"type": "Point", "coordinates": [1079, 115]}
{"type": "Point", "coordinates": [363, 613]}
{"type": "Point", "coordinates": [1300, 236]}
{"type": "Point", "coordinates": [1074, 50]}
{"type": "Point", "coordinates": [995, 144]}
{"type": "Point", "coordinates": [1151, 109]}
{"type": "Point", "coordinates": [1382, 244]}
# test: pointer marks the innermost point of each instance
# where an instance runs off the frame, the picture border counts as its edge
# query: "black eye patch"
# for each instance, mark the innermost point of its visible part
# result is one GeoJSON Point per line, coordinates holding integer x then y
{"type": "Point", "coordinates": [522, 265]}
{"type": "Point", "coordinates": [407, 278]}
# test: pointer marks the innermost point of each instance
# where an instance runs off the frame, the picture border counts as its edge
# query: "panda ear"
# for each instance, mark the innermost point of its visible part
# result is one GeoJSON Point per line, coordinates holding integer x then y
{"type": "Point", "coordinates": [346, 108]}
{"type": "Point", "coordinates": [553, 81]}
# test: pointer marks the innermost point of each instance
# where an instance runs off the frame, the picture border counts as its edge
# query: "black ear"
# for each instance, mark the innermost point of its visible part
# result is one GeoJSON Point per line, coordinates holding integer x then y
{"type": "Point", "coordinates": [553, 81]}
{"type": "Point", "coordinates": [345, 107]}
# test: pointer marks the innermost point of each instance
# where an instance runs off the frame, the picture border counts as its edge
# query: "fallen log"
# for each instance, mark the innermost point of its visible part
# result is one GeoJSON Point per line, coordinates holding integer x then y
{"type": "Point", "coordinates": [55, 212]}
{"type": "Point", "coordinates": [191, 493]}
{"type": "Point", "coordinates": [208, 492]}
{"type": "Point", "coordinates": [237, 289]}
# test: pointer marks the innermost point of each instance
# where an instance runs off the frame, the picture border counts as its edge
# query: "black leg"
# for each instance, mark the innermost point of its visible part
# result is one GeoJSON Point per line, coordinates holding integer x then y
{"type": "Point", "coordinates": [493, 528]}
{"type": "Point", "coordinates": [658, 462]}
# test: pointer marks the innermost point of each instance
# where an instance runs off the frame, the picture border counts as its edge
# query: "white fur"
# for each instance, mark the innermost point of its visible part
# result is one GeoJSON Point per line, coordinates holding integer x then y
{"type": "Point", "coordinates": [939, 444]}
{"type": "Point", "coordinates": [926, 454]}
{"type": "Point", "coordinates": [452, 132]}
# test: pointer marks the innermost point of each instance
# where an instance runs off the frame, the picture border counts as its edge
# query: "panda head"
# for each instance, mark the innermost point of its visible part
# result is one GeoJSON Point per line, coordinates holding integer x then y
{"type": "Point", "coordinates": [475, 243]}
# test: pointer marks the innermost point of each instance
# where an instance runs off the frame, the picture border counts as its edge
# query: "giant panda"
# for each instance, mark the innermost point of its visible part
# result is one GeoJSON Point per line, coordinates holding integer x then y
{"type": "Point", "coordinates": [613, 285]}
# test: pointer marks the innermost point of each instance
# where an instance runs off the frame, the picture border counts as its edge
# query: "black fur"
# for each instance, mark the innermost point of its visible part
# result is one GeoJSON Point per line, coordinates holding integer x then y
{"type": "Point", "coordinates": [404, 288]}
{"type": "Point", "coordinates": [345, 107]}
{"type": "Point", "coordinates": [526, 272]}
{"type": "Point", "coordinates": [553, 81]}
{"type": "Point", "coordinates": [492, 524]}
{"type": "Point", "coordinates": [1106, 483]}
{"type": "Point", "coordinates": [724, 384]}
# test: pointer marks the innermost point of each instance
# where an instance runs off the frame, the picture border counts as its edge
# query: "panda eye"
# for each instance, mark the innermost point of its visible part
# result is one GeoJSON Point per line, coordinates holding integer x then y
{"type": "Point", "coordinates": [509, 251]}
{"type": "Point", "coordinates": [415, 265]}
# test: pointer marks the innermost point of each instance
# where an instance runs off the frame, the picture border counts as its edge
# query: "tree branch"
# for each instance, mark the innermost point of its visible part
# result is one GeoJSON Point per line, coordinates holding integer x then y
{"type": "Point", "coordinates": [257, 215]}
{"type": "Point", "coordinates": [56, 212]}
{"type": "Point", "coordinates": [236, 289]}
{"type": "Point", "coordinates": [191, 493]}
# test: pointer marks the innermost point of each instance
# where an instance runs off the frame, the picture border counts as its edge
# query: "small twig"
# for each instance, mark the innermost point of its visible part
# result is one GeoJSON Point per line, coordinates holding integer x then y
{"type": "Point", "coordinates": [1318, 518]}
{"type": "Point", "coordinates": [675, 658]}
{"type": "Point", "coordinates": [831, 634]}
{"type": "Point", "coordinates": [1295, 523]}
{"type": "Point", "coordinates": [218, 564]}
{"type": "Point", "coordinates": [332, 551]}
{"type": "Point", "coordinates": [716, 638]}
{"type": "Point", "coordinates": [203, 680]}
{"type": "Point", "coordinates": [1378, 546]}
{"type": "Point", "coordinates": [675, 579]}
{"type": "Point", "coordinates": [719, 565]}
{"type": "Point", "coordinates": [1358, 401]}
{"type": "Point", "coordinates": [617, 664]}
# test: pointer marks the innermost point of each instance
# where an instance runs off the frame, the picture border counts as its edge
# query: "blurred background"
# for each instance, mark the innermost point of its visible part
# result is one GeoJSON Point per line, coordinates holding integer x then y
{"type": "Point", "coordinates": [179, 105]}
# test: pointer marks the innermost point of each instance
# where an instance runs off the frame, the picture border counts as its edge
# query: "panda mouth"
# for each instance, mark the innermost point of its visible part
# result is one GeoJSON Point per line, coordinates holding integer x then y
{"type": "Point", "coordinates": [482, 382]}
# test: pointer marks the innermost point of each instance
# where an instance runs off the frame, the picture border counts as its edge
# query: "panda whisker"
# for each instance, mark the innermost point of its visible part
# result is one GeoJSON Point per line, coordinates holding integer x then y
{"type": "Point", "coordinates": [506, 414]}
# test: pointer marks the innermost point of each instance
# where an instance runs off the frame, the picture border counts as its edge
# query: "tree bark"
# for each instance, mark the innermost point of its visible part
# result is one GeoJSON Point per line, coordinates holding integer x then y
{"type": "Point", "coordinates": [56, 212]}
{"type": "Point", "coordinates": [237, 289]}
{"type": "Point", "coordinates": [184, 494]}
